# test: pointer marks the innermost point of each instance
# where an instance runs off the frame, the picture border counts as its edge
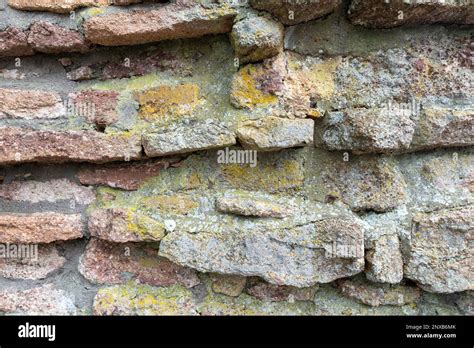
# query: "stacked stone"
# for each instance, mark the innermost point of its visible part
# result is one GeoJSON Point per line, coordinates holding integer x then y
{"type": "Point", "coordinates": [115, 160]}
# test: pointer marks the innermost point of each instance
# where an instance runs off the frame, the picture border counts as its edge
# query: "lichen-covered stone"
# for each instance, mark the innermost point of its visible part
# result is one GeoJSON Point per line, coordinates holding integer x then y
{"type": "Point", "coordinates": [168, 101]}
{"type": "Point", "coordinates": [124, 225]}
{"type": "Point", "coordinates": [50, 38]}
{"type": "Point", "coordinates": [441, 254]}
{"type": "Point", "coordinates": [364, 183]}
{"type": "Point", "coordinates": [144, 300]}
{"type": "Point", "coordinates": [255, 86]}
{"type": "Point", "coordinates": [187, 137]}
{"type": "Point", "coordinates": [19, 145]}
{"type": "Point", "coordinates": [377, 294]}
{"type": "Point", "coordinates": [274, 133]}
{"type": "Point", "coordinates": [174, 21]}
{"type": "Point", "coordinates": [384, 261]}
{"type": "Point", "coordinates": [245, 205]}
{"type": "Point", "coordinates": [112, 263]}
{"type": "Point", "coordinates": [388, 14]}
{"type": "Point", "coordinates": [41, 300]}
{"type": "Point", "coordinates": [230, 285]}
{"type": "Point", "coordinates": [300, 255]}
{"type": "Point", "coordinates": [294, 12]}
{"type": "Point", "coordinates": [14, 43]}
{"type": "Point", "coordinates": [61, 6]}
{"type": "Point", "coordinates": [55, 190]}
{"type": "Point", "coordinates": [30, 104]}
{"type": "Point", "coordinates": [39, 227]}
{"type": "Point", "coordinates": [444, 126]}
{"type": "Point", "coordinates": [35, 265]}
{"type": "Point", "coordinates": [256, 38]}
{"type": "Point", "coordinates": [365, 131]}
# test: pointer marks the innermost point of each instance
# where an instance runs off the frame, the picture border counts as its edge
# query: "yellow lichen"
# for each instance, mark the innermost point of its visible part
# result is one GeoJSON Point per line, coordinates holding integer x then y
{"type": "Point", "coordinates": [177, 204]}
{"type": "Point", "coordinates": [269, 177]}
{"type": "Point", "coordinates": [245, 92]}
{"type": "Point", "coordinates": [168, 101]}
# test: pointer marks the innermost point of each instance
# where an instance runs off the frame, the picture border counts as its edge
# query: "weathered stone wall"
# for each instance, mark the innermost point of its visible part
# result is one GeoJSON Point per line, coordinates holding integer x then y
{"type": "Point", "coordinates": [120, 123]}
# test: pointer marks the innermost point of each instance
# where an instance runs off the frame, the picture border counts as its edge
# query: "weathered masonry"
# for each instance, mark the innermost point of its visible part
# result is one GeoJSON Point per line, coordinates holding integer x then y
{"type": "Point", "coordinates": [360, 115]}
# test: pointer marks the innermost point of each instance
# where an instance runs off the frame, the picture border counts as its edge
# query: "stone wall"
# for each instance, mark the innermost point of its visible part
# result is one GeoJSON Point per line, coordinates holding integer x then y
{"type": "Point", "coordinates": [237, 157]}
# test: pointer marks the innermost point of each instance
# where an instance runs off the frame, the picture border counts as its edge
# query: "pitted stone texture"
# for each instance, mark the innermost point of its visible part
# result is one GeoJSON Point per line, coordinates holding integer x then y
{"type": "Point", "coordinates": [19, 145]}
{"type": "Point", "coordinates": [441, 252]}
{"type": "Point", "coordinates": [125, 176]}
{"type": "Point", "coordinates": [50, 38]}
{"type": "Point", "coordinates": [170, 22]}
{"type": "Point", "coordinates": [144, 300]}
{"type": "Point", "coordinates": [183, 138]}
{"type": "Point", "coordinates": [365, 131]}
{"type": "Point", "coordinates": [14, 43]}
{"type": "Point", "coordinates": [257, 38]}
{"type": "Point", "coordinates": [247, 206]}
{"type": "Point", "coordinates": [98, 107]}
{"type": "Point", "coordinates": [365, 183]}
{"type": "Point", "coordinates": [444, 126]}
{"type": "Point", "coordinates": [300, 255]}
{"type": "Point", "coordinates": [57, 6]}
{"type": "Point", "coordinates": [112, 263]}
{"type": "Point", "coordinates": [389, 14]}
{"type": "Point", "coordinates": [30, 104]}
{"type": "Point", "coordinates": [39, 227]}
{"type": "Point", "coordinates": [293, 12]}
{"type": "Point", "coordinates": [274, 133]}
{"type": "Point", "coordinates": [32, 266]}
{"type": "Point", "coordinates": [42, 300]}
{"type": "Point", "coordinates": [49, 191]}
{"type": "Point", "coordinates": [230, 285]}
{"type": "Point", "coordinates": [276, 293]}
{"type": "Point", "coordinates": [121, 225]}
{"type": "Point", "coordinates": [384, 261]}
{"type": "Point", "coordinates": [376, 294]}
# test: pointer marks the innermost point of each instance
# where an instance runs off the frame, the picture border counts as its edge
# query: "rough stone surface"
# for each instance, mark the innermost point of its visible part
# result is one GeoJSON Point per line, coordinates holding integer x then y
{"type": "Point", "coordinates": [36, 265]}
{"type": "Point", "coordinates": [30, 104]}
{"type": "Point", "coordinates": [102, 105]}
{"type": "Point", "coordinates": [183, 138]}
{"type": "Point", "coordinates": [294, 12]}
{"type": "Point", "coordinates": [375, 295]}
{"type": "Point", "coordinates": [49, 38]}
{"type": "Point", "coordinates": [144, 300]}
{"type": "Point", "coordinates": [299, 256]}
{"type": "Point", "coordinates": [247, 206]}
{"type": "Point", "coordinates": [365, 131]}
{"type": "Point", "coordinates": [383, 14]}
{"type": "Point", "coordinates": [270, 292]}
{"type": "Point", "coordinates": [14, 43]}
{"type": "Point", "coordinates": [39, 227]}
{"type": "Point", "coordinates": [169, 22]}
{"type": "Point", "coordinates": [273, 133]}
{"type": "Point", "coordinates": [49, 191]}
{"type": "Point", "coordinates": [257, 38]}
{"type": "Point", "coordinates": [444, 126]}
{"type": "Point", "coordinates": [20, 145]}
{"type": "Point", "coordinates": [127, 177]}
{"type": "Point", "coordinates": [42, 300]}
{"type": "Point", "coordinates": [62, 6]}
{"type": "Point", "coordinates": [112, 263]}
{"type": "Point", "coordinates": [384, 261]}
{"type": "Point", "coordinates": [441, 253]}
{"type": "Point", "coordinates": [229, 285]}
{"type": "Point", "coordinates": [121, 225]}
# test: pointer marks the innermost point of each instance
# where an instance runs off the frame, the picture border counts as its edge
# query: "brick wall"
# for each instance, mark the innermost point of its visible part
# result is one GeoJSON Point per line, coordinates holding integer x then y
{"type": "Point", "coordinates": [236, 157]}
